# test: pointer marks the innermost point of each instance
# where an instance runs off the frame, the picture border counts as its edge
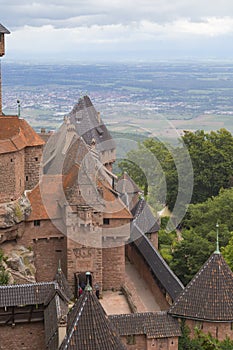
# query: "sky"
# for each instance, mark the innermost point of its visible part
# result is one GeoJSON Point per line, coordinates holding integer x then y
{"type": "Point", "coordinates": [117, 30]}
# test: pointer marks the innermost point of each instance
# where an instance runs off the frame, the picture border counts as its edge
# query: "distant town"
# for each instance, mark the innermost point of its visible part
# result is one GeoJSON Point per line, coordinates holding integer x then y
{"type": "Point", "coordinates": [131, 97]}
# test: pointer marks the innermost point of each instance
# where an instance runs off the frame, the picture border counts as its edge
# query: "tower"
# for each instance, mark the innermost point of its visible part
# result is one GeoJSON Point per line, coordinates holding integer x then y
{"type": "Point", "coordinates": [3, 31]}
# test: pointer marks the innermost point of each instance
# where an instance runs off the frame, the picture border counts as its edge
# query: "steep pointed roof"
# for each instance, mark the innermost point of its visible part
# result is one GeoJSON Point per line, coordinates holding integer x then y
{"type": "Point", "coordinates": [209, 295]}
{"type": "Point", "coordinates": [89, 327]}
{"type": "Point", "coordinates": [89, 125]}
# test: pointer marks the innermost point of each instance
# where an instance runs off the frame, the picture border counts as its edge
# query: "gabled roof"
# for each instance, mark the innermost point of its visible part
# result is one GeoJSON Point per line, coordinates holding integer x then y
{"type": "Point", "coordinates": [209, 295]}
{"type": "Point", "coordinates": [143, 218]}
{"type": "Point", "coordinates": [3, 30]}
{"type": "Point", "coordinates": [152, 324]}
{"type": "Point", "coordinates": [158, 266]}
{"type": "Point", "coordinates": [89, 327]}
{"type": "Point", "coordinates": [89, 125]}
{"type": "Point", "coordinates": [16, 134]}
{"type": "Point", "coordinates": [26, 294]}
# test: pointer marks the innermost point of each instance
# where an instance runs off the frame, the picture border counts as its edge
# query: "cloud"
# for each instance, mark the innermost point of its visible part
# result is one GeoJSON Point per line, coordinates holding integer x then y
{"type": "Point", "coordinates": [68, 26]}
{"type": "Point", "coordinates": [73, 13]}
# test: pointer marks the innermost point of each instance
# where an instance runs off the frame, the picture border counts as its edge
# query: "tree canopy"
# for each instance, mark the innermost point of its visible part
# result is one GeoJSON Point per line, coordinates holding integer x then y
{"type": "Point", "coordinates": [163, 171]}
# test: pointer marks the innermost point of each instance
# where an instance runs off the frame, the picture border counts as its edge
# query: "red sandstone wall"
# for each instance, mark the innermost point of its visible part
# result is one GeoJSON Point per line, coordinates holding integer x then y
{"type": "Point", "coordinates": [162, 344]}
{"type": "Point", "coordinates": [113, 267]}
{"type": "Point", "coordinates": [11, 176]}
{"type": "Point", "coordinates": [81, 259]}
{"type": "Point", "coordinates": [139, 342]}
{"type": "Point", "coordinates": [217, 329]}
{"type": "Point", "coordinates": [145, 273]}
{"type": "Point", "coordinates": [28, 336]}
{"type": "Point", "coordinates": [32, 166]}
{"type": "Point", "coordinates": [49, 246]}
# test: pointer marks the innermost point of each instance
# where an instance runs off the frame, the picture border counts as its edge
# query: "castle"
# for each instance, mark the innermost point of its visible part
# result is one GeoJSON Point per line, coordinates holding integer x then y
{"type": "Point", "coordinates": [62, 205]}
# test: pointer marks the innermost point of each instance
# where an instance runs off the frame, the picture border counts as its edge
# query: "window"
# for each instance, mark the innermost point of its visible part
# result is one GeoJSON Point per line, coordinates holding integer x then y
{"type": "Point", "coordinates": [36, 222]}
{"type": "Point", "coordinates": [26, 178]}
{"type": "Point", "coordinates": [36, 159]}
{"type": "Point", "coordinates": [106, 221]}
{"type": "Point", "coordinates": [131, 339]}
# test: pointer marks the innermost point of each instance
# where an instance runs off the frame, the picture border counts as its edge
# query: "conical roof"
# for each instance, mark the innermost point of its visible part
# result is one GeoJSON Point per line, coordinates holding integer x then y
{"type": "Point", "coordinates": [209, 295]}
{"type": "Point", "coordinates": [89, 327]}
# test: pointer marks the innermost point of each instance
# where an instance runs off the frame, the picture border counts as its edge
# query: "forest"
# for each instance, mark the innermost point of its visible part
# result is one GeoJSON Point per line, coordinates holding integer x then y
{"type": "Point", "coordinates": [203, 190]}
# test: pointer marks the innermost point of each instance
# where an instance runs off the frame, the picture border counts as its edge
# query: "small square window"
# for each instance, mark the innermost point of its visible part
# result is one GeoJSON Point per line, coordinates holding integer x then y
{"type": "Point", "coordinates": [36, 222]}
{"type": "Point", "coordinates": [106, 221]}
{"type": "Point", "coordinates": [36, 159]}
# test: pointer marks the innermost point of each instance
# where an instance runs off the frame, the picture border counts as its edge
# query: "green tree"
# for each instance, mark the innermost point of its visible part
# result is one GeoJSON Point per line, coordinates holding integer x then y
{"type": "Point", "coordinates": [212, 160]}
{"type": "Point", "coordinates": [187, 257]}
{"type": "Point", "coordinates": [4, 276]}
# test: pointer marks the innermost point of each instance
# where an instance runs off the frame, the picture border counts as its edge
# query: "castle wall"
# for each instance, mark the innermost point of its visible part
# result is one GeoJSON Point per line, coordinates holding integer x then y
{"type": "Point", "coordinates": [25, 336]}
{"type": "Point", "coordinates": [146, 274]}
{"type": "Point", "coordinates": [113, 266]}
{"type": "Point", "coordinates": [32, 166]}
{"type": "Point", "coordinates": [136, 342]}
{"type": "Point", "coordinates": [162, 344]}
{"type": "Point", "coordinates": [81, 259]}
{"type": "Point", "coordinates": [11, 176]}
{"type": "Point", "coordinates": [108, 157]}
{"type": "Point", "coordinates": [49, 246]}
{"type": "Point", "coordinates": [219, 330]}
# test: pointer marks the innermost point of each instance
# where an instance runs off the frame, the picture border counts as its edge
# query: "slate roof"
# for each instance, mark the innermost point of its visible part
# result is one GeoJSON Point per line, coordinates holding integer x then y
{"type": "Point", "coordinates": [158, 266]}
{"type": "Point", "coordinates": [209, 295]}
{"type": "Point", "coordinates": [153, 325]}
{"type": "Point", "coordinates": [55, 313]}
{"type": "Point", "coordinates": [89, 327]}
{"type": "Point", "coordinates": [88, 125]}
{"type": "Point", "coordinates": [27, 294]}
{"type": "Point", "coordinates": [144, 218]}
{"type": "Point", "coordinates": [3, 30]}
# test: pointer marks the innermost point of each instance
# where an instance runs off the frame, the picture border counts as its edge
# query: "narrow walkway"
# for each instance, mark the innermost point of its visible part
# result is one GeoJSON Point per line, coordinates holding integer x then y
{"type": "Point", "coordinates": [141, 295]}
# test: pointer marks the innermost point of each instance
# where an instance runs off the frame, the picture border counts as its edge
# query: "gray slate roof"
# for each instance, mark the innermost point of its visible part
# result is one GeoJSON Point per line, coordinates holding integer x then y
{"type": "Point", "coordinates": [162, 272]}
{"type": "Point", "coordinates": [89, 327]}
{"type": "Point", "coordinates": [88, 125]}
{"type": "Point", "coordinates": [3, 30]}
{"type": "Point", "coordinates": [143, 218]}
{"type": "Point", "coordinates": [153, 325]}
{"type": "Point", "coordinates": [27, 294]}
{"type": "Point", "coordinates": [209, 295]}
